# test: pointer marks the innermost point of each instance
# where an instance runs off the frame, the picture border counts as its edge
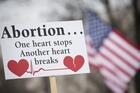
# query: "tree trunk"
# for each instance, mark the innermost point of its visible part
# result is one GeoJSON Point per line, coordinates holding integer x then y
{"type": "Point", "coordinates": [137, 26]}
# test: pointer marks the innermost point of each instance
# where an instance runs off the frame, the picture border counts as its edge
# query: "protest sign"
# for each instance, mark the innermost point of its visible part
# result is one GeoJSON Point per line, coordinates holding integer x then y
{"type": "Point", "coordinates": [43, 49]}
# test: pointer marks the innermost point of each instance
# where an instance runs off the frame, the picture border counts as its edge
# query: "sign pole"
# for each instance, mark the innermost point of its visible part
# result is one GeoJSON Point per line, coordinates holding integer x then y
{"type": "Point", "coordinates": [53, 85]}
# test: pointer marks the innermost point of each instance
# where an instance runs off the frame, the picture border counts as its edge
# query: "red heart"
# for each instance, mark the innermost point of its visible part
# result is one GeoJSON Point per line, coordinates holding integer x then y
{"type": "Point", "coordinates": [18, 68]}
{"type": "Point", "coordinates": [75, 64]}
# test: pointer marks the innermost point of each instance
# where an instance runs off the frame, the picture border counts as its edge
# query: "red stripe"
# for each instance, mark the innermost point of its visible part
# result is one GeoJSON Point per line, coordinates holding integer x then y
{"type": "Point", "coordinates": [121, 47]}
{"type": "Point", "coordinates": [90, 43]}
{"type": "Point", "coordinates": [108, 69]}
{"type": "Point", "coordinates": [95, 66]}
{"type": "Point", "coordinates": [126, 39]}
{"type": "Point", "coordinates": [113, 72]}
{"type": "Point", "coordinates": [118, 56]}
{"type": "Point", "coordinates": [91, 54]}
{"type": "Point", "coordinates": [110, 61]}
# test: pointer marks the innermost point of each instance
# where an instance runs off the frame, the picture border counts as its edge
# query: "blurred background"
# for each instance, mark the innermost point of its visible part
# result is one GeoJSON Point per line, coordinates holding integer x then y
{"type": "Point", "coordinates": [100, 18]}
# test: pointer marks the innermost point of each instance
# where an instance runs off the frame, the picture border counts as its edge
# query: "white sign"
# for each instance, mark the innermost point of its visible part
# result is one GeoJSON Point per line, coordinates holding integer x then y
{"type": "Point", "coordinates": [44, 49]}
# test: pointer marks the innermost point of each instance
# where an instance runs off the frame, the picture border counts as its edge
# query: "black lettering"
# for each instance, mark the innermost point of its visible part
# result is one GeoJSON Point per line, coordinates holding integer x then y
{"type": "Point", "coordinates": [60, 31]}
{"type": "Point", "coordinates": [25, 33]}
{"type": "Point", "coordinates": [51, 31]}
{"type": "Point", "coordinates": [39, 32]}
{"type": "Point", "coordinates": [22, 54]}
{"type": "Point", "coordinates": [44, 29]}
{"type": "Point", "coordinates": [32, 32]}
{"type": "Point", "coordinates": [16, 32]}
{"type": "Point", "coordinates": [5, 32]}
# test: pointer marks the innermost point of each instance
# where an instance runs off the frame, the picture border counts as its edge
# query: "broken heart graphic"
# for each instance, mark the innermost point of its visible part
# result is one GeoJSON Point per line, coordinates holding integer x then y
{"type": "Point", "coordinates": [18, 68]}
{"type": "Point", "coordinates": [74, 64]}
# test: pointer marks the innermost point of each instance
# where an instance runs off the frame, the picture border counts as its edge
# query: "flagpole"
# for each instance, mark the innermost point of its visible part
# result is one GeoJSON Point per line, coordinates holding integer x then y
{"type": "Point", "coordinates": [53, 84]}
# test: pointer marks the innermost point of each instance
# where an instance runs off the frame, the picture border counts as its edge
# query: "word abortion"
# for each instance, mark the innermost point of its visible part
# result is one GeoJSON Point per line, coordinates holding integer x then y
{"type": "Point", "coordinates": [14, 32]}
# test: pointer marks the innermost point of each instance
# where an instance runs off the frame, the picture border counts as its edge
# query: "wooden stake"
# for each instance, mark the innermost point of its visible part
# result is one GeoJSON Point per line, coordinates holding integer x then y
{"type": "Point", "coordinates": [53, 85]}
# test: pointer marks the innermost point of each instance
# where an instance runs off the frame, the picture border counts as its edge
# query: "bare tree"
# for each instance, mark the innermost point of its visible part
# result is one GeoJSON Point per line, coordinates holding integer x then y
{"type": "Point", "coordinates": [136, 4]}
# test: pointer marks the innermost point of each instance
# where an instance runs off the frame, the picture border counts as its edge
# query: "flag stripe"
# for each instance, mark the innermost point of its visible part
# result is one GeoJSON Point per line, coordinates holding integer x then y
{"type": "Point", "coordinates": [119, 56]}
{"type": "Point", "coordinates": [132, 44]}
{"type": "Point", "coordinates": [124, 53]}
{"type": "Point", "coordinates": [113, 74]}
{"type": "Point", "coordinates": [126, 50]}
{"type": "Point", "coordinates": [110, 66]}
{"type": "Point", "coordinates": [116, 61]}
{"type": "Point", "coordinates": [127, 46]}
{"type": "Point", "coordinates": [109, 60]}
{"type": "Point", "coordinates": [106, 73]}
{"type": "Point", "coordinates": [91, 52]}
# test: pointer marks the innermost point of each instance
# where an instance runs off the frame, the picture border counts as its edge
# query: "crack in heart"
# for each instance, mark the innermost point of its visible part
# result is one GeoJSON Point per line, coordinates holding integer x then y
{"type": "Point", "coordinates": [74, 64]}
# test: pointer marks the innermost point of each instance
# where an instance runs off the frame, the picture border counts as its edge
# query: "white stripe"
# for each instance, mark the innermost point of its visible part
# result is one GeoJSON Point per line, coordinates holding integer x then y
{"type": "Point", "coordinates": [124, 44]}
{"type": "Point", "coordinates": [117, 61]}
{"type": "Point", "coordinates": [122, 53]}
{"type": "Point", "coordinates": [119, 73]}
{"type": "Point", "coordinates": [91, 51]}
{"type": "Point", "coordinates": [91, 56]}
{"type": "Point", "coordinates": [114, 88]}
{"type": "Point", "coordinates": [113, 78]}
{"type": "Point", "coordinates": [93, 61]}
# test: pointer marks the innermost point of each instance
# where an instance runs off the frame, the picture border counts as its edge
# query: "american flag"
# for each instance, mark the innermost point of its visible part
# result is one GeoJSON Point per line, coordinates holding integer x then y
{"type": "Point", "coordinates": [97, 31]}
{"type": "Point", "coordinates": [118, 58]}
